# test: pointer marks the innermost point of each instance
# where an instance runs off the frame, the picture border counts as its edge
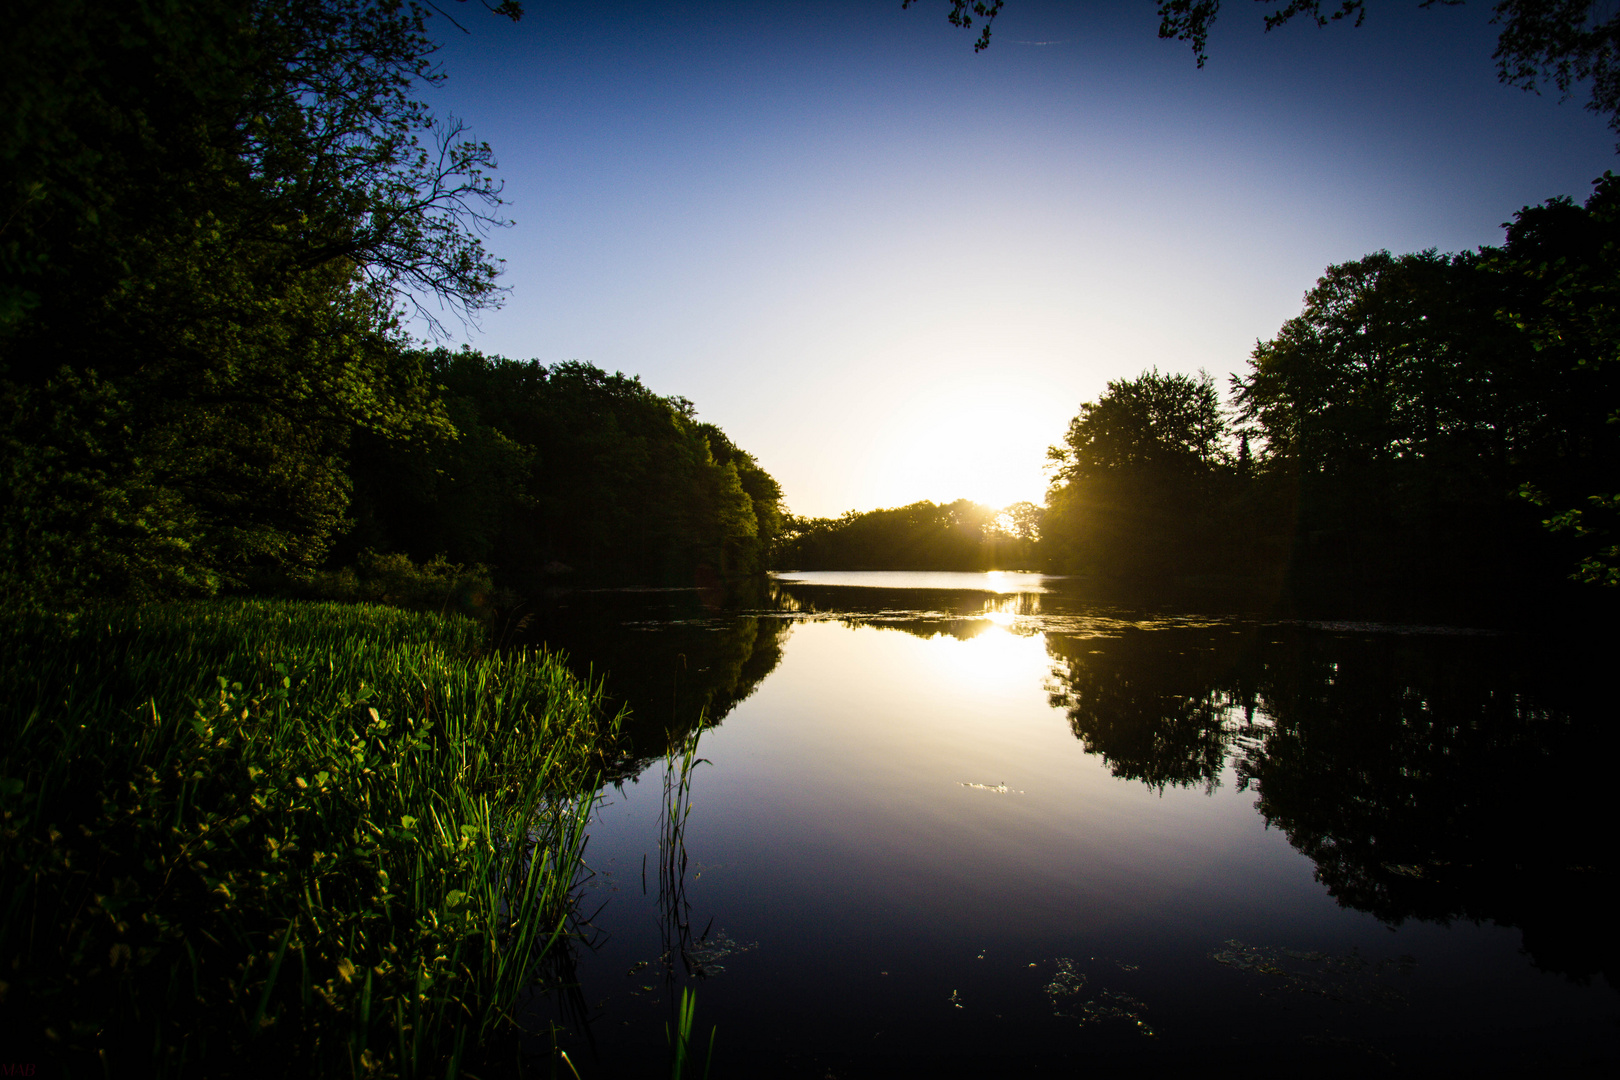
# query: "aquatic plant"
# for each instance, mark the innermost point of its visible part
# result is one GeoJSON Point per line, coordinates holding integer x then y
{"type": "Point", "coordinates": [264, 835]}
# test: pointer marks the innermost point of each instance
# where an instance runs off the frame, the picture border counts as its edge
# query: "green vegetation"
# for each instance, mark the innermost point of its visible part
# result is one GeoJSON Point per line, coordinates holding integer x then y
{"type": "Point", "coordinates": [215, 213]}
{"type": "Point", "coordinates": [213, 219]}
{"type": "Point", "coordinates": [267, 836]}
{"type": "Point", "coordinates": [565, 467]}
{"type": "Point", "coordinates": [1136, 478]}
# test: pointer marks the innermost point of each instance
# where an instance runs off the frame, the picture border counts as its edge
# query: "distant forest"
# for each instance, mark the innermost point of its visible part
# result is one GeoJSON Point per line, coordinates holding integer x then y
{"type": "Point", "coordinates": [1430, 425]}
{"type": "Point", "coordinates": [962, 535]}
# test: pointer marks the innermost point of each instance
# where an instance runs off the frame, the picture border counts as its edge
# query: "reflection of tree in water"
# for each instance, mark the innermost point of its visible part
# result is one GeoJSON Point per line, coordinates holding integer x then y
{"type": "Point", "coordinates": [1433, 777]}
{"type": "Point", "coordinates": [1156, 705]}
{"type": "Point", "coordinates": [1446, 778]}
{"type": "Point", "coordinates": [673, 657]}
{"type": "Point", "coordinates": [926, 613]}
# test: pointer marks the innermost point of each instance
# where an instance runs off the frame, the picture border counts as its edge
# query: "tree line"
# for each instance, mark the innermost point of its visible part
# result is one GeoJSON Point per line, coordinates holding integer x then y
{"type": "Point", "coordinates": [1437, 423]}
{"type": "Point", "coordinates": [1429, 426]}
{"type": "Point", "coordinates": [962, 535]}
{"type": "Point", "coordinates": [216, 220]}
{"type": "Point", "coordinates": [563, 471]}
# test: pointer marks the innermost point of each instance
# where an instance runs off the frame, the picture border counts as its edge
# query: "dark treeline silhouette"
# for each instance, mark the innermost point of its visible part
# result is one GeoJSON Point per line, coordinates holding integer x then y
{"type": "Point", "coordinates": [962, 535]}
{"type": "Point", "coordinates": [1136, 479]}
{"type": "Point", "coordinates": [1428, 776]}
{"type": "Point", "coordinates": [1429, 426]}
{"type": "Point", "coordinates": [567, 468]}
{"type": "Point", "coordinates": [215, 218]}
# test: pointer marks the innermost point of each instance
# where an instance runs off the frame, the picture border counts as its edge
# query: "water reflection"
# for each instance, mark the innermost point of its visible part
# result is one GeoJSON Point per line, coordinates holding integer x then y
{"type": "Point", "coordinates": [1022, 829]}
{"type": "Point", "coordinates": [994, 581]}
{"type": "Point", "coordinates": [669, 655]}
{"type": "Point", "coordinates": [1157, 706]}
{"type": "Point", "coordinates": [1428, 774]}
{"type": "Point", "coordinates": [1437, 779]}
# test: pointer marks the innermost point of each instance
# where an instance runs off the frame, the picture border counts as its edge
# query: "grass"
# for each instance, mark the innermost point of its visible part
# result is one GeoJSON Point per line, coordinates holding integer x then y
{"type": "Point", "coordinates": [259, 836]}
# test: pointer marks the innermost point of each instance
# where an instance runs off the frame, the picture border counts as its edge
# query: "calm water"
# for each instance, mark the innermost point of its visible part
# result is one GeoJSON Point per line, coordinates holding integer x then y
{"type": "Point", "coordinates": [959, 824]}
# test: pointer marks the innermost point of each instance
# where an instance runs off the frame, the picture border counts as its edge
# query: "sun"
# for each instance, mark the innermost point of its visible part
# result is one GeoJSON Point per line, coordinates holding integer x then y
{"type": "Point", "coordinates": [985, 441]}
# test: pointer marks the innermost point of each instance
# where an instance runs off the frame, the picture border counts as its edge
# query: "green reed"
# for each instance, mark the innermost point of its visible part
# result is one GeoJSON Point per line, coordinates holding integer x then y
{"type": "Point", "coordinates": [675, 925]}
{"type": "Point", "coordinates": [681, 1040]}
{"type": "Point", "coordinates": [248, 836]}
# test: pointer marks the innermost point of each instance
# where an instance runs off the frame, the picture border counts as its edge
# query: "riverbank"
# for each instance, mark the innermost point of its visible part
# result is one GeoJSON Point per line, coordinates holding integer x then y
{"type": "Point", "coordinates": [243, 836]}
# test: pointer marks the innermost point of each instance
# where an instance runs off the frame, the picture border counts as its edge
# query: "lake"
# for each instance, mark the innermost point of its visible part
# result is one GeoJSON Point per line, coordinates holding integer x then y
{"type": "Point", "coordinates": [981, 824]}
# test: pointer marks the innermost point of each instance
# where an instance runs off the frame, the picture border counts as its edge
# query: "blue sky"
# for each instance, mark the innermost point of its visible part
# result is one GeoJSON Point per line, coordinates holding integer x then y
{"type": "Point", "coordinates": [892, 269]}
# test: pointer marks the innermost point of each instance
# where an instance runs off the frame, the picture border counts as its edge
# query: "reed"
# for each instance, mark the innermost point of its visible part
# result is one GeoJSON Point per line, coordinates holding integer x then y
{"type": "Point", "coordinates": [242, 837]}
{"type": "Point", "coordinates": [675, 907]}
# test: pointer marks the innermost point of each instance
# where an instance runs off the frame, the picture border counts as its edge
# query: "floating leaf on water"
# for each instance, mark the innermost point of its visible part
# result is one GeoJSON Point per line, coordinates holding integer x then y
{"type": "Point", "coordinates": [1068, 984]}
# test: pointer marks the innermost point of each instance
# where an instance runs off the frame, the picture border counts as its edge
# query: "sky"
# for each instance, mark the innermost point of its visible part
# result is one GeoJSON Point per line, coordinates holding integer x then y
{"type": "Point", "coordinates": [892, 269]}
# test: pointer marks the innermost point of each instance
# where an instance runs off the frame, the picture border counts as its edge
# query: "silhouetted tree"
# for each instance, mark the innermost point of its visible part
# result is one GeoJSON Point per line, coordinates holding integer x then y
{"type": "Point", "coordinates": [1406, 410]}
{"type": "Point", "coordinates": [1139, 481]}
{"type": "Point", "coordinates": [1558, 271]}
{"type": "Point", "coordinates": [1558, 43]}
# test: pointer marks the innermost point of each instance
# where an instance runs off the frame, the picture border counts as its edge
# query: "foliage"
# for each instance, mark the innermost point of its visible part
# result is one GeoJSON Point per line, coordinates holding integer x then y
{"type": "Point", "coordinates": [1562, 43]}
{"type": "Point", "coordinates": [1415, 397]}
{"type": "Point", "coordinates": [1157, 423]}
{"type": "Point", "coordinates": [393, 579]}
{"type": "Point", "coordinates": [1557, 42]}
{"type": "Point", "coordinates": [962, 13]}
{"type": "Point", "coordinates": [962, 535]}
{"type": "Point", "coordinates": [1140, 480]}
{"type": "Point", "coordinates": [1428, 776]}
{"type": "Point", "coordinates": [211, 212]}
{"type": "Point", "coordinates": [570, 468]}
{"type": "Point", "coordinates": [1561, 266]}
{"type": "Point", "coordinates": [245, 837]}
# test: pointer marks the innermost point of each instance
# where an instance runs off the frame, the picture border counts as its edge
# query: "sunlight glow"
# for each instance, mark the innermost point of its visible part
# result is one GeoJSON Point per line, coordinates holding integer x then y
{"type": "Point", "coordinates": [994, 662]}
{"type": "Point", "coordinates": [964, 438]}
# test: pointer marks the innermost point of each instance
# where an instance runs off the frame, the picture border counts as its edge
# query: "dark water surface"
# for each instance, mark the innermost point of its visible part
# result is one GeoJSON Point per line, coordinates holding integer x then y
{"type": "Point", "coordinates": [968, 824]}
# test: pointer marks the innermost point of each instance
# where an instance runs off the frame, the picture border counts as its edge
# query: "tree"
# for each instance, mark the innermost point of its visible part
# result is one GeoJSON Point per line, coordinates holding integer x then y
{"type": "Point", "coordinates": [215, 213]}
{"type": "Point", "coordinates": [565, 466]}
{"type": "Point", "coordinates": [1559, 271]}
{"type": "Point", "coordinates": [1561, 43]}
{"type": "Point", "coordinates": [1135, 487]}
{"type": "Point", "coordinates": [1414, 396]}
{"type": "Point", "coordinates": [1166, 423]}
